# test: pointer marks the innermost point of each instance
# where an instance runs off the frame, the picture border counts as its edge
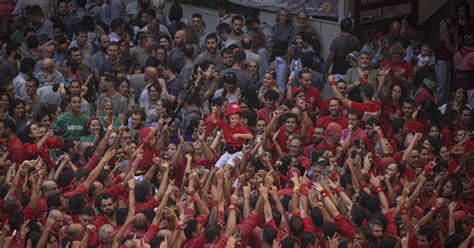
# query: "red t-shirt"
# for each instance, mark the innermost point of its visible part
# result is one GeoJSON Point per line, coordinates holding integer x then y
{"type": "Point", "coordinates": [313, 97]}
{"type": "Point", "coordinates": [229, 131]}
{"type": "Point", "coordinates": [341, 120]}
{"type": "Point", "coordinates": [324, 109]}
{"type": "Point", "coordinates": [404, 68]}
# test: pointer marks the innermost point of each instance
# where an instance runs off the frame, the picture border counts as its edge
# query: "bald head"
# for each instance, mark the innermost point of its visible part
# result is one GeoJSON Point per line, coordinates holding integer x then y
{"type": "Point", "coordinates": [151, 74]}
{"type": "Point", "coordinates": [75, 231]}
{"type": "Point", "coordinates": [48, 65]}
{"type": "Point", "coordinates": [49, 187]}
{"type": "Point", "coordinates": [180, 38]}
{"type": "Point", "coordinates": [395, 28]}
{"type": "Point", "coordinates": [140, 222]}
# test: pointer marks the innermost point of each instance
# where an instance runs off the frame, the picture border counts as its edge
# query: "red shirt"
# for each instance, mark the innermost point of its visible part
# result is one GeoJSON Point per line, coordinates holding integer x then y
{"type": "Point", "coordinates": [31, 151]}
{"type": "Point", "coordinates": [372, 108]}
{"type": "Point", "coordinates": [341, 120]}
{"type": "Point", "coordinates": [15, 150]}
{"type": "Point", "coordinates": [324, 109]}
{"type": "Point", "coordinates": [264, 114]}
{"type": "Point", "coordinates": [313, 97]}
{"type": "Point", "coordinates": [404, 68]}
{"type": "Point", "coordinates": [389, 108]}
{"type": "Point", "coordinates": [229, 131]}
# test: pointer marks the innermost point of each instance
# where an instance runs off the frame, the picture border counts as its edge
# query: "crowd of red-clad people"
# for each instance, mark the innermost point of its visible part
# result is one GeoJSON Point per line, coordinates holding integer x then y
{"type": "Point", "coordinates": [125, 126]}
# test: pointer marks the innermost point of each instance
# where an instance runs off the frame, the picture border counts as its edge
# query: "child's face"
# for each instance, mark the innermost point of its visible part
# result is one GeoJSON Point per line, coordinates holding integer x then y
{"type": "Point", "coordinates": [234, 120]}
{"type": "Point", "coordinates": [426, 51]}
{"type": "Point", "coordinates": [460, 135]}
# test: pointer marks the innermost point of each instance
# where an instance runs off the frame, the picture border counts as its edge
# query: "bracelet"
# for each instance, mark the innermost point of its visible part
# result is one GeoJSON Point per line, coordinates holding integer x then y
{"type": "Point", "coordinates": [379, 189]}
{"type": "Point", "coordinates": [323, 193]}
{"type": "Point", "coordinates": [304, 189]}
{"type": "Point", "coordinates": [338, 190]}
{"type": "Point", "coordinates": [232, 207]}
{"type": "Point", "coordinates": [403, 211]}
{"type": "Point", "coordinates": [297, 188]}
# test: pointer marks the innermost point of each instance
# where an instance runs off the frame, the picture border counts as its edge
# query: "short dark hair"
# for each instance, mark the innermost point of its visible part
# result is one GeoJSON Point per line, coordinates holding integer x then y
{"type": "Point", "coordinates": [11, 47]}
{"type": "Point", "coordinates": [271, 95]}
{"type": "Point", "coordinates": [211, 36]}
{"type": "Point", "coordinates": [237, 17]}
{"type": "Point", "coordinates": [34, 10]}
{"type": "Point", "coordinates": [367, 91]}
{"type": "Point", "coordinates": [34, 80]}
{"type": "Point", "coordinates": [188, 50]}
{"type": "Point", "coordinates": [223, 28]}
{"type": "Point", "coordinates": [27, 64]}
{"type": "Point", "coordinates": [239, 57]}
{"type": "Point", "coordinates": [346, 25]}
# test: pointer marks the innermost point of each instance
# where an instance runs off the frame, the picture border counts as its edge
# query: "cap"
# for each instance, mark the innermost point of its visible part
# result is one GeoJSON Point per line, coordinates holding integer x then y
{"type": "Point", "coordinates": [232, 108]}
{"type": "Point", "coordinates": [333, 128]}
{"type": "Point", "coordinates": [230, 77]}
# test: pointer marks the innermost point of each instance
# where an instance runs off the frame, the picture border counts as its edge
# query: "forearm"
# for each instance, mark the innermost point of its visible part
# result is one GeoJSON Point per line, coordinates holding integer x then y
{"type": "Point", "coordinates": [149, 173]}
{"type": "Point", "coordinates": [163, 185]}
{"type": "Point", "coordinates": [267, 210]}
{"type": "Point", "coordinates": [246, 208]}
{"type": "Point", "coordinates": [102, 144]}
{"type": "Point", "coordinates": [207, 150]}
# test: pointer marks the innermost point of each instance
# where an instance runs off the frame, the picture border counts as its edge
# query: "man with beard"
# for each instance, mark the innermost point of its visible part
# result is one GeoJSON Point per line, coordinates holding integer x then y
{"type": "Point", "coordinates": [98, 59]}
{"type": "Point", "coordinates": [50, 80]}
{"type": "Point", "coordinates": [280, 138]}
{"type": "Point", "coordinates": [363, 74]}
{"type": "Point", "coordinates": [312, 94]}
{"type": "Point", "coordinates": [42, 25]}
{"type": "Point", "coordinates": [341, 86]}
{"type": "Point", "coordinates": [107, 207]}
{"type": "Point", "coordinates": [66, 17]}
{"type": "Point", "coordinates": [237, 25]}
{"type": "Point", "coordinates": [85, 47]}
{"type": "Point", "coordinates": [211, 53]}
{"type": "Point", "coordinates": [137, 123]}
{"type": "Point", "coordinates": [8, 66]}
{"type": "Point", "coordinates": [316, 139]}
{"type": "Point", "coordinates": [111, 58]}
{"type": "Point", "coordinates": [140, 53]}
{"type": "Point", "coordinates": [198, 28]}
{"type": "Point", "coordinates": [176, 55]}
{"type": "Point", "coordinates": [334, 115]}
{"type": "Point", "coordinates": [303, 27]}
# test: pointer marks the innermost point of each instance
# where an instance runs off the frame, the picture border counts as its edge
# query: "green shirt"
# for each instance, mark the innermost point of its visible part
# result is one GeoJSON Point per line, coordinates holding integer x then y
{"type": "Point", "coordinates": [71, 126]}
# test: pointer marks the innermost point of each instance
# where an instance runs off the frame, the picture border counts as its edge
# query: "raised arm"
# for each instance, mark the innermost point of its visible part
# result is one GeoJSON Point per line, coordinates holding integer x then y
{"type": "Point", "coordinates": [96, 171]}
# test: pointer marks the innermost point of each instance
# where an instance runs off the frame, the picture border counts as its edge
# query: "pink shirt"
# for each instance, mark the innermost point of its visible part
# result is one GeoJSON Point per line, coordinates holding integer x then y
{"type": "Point", "coordinates": [358, 134]}
{"type": "Point", "coordinates": [464, 59]}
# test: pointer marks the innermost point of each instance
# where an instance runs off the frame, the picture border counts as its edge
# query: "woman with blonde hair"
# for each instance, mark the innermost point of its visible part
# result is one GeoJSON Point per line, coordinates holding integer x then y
{"type": "Point", "coordinates": [108, 117]}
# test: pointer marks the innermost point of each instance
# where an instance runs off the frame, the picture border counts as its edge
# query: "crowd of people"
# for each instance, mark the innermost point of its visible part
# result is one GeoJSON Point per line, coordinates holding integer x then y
{"type": "Point", "coordinates": [125, 126]}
